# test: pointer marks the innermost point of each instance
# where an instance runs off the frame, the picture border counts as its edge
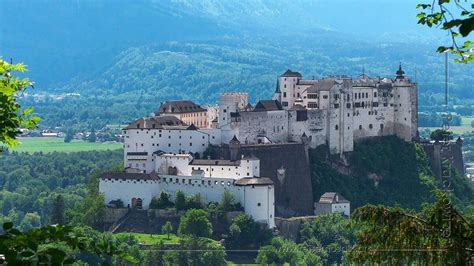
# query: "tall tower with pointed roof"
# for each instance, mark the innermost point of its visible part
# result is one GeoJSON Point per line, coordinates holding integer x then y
{"type": "Point", "coordinates": [234, 146]}
{"type": "Point", "coordinates": [405, 106]}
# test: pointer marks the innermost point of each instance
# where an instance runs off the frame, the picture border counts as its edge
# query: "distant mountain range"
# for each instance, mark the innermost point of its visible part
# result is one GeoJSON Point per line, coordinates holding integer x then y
{"type": "Point", "coordinates": [166, 49]}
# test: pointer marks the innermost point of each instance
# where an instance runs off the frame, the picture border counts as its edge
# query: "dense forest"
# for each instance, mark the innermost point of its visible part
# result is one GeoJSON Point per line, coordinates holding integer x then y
{"type": "Point", "coordinates": [386, 171]}
{"type": "Point", "coordinates": [30, 182]}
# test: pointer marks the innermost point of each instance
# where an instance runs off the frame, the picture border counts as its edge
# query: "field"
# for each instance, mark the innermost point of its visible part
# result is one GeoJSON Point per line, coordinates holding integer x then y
{"type": "Point", "coordinates": [467, 120]}
{"type": "Point", "coordinates": [152, 239]}
{"type": "Point", "coordinates": [57, 144]}
{"type": "Point", "coordinates": [457, 130]}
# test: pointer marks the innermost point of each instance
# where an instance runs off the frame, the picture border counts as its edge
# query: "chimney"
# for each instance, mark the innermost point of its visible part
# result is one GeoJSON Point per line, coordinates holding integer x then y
{"type": "Point", "coordinates": [337, 198]}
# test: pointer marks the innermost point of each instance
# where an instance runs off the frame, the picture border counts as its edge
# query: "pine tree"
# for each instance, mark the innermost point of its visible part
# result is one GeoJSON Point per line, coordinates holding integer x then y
{"type": "Point", "coordinates": [92, 136]}
{"type": "Point", "coordinates": [57, 213]}
{"type": "Point", "coordinates": [69, 136]}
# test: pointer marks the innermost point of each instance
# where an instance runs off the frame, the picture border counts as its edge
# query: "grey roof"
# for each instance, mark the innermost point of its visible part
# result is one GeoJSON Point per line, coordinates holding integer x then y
{"type": "Point", "coordinates": [321, 85]}
{"type": "Point", "coordinates": [297, 107]}
{"type": "Point", "coordinates": [330, 198]}
{"type": "Point", "coordinates": [255, 181]}
{"type": "Point", "coordinates": [157, 122]}
{"type": "Point", "coordinates": [137, 153]}
{"type": "Point", "coordinates": [290, 73]}
{"type": "Point", "coordinates": [307, 82]}
{"type": "Point", "coordinates": [192, 127]}
{"type": "Point", "coordinates": [129, 176]}
{"type": "Point", "coordinates": [234, 140]}
{"type": "Point", "coordinates": [267, 105]}
{"type": "Point", "coordinates": [178, 107]}
{"type": "Point", "coordinates": [215, 162]}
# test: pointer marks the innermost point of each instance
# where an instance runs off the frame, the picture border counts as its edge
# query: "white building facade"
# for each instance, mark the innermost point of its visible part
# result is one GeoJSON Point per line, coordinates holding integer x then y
{"type": "Point", "coordinates": [209, 178]}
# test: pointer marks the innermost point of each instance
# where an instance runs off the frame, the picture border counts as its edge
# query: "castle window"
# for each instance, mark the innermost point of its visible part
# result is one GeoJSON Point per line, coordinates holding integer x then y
{"type": "Point", "coordinates": [366, 95]}
{"type": "Point", "coordinates": [208, 182]}
{"type": "Point", "coordinates": [202, 182]}
{"type": "Point", "coordinates": [177, 180]}
{"type": "Point", "coordinates": [190, 144]}
{"type": "Point", "coordinates": [169, 137]}
{"type": "Point", "coordinates": [381, 127]}
{"type": "Point", "coordinates": [325, 96]}
{"type": "Point", "coordinates": [189, 181]}
{"type": "Point", "coordinates": [360, 127]}
{"type": "Point", "coordinates": [259, 204]}
{"type": "Point", "coordinates": [215, 183]}
{"type": "Point", "coordinates": [184, 181]}
{"type": "Point", "coordinates": [138, 125]}
{"type": "Point", "coordinates": [225, 110]}
{"type": "Point", "coordinates": [284, 103]}
{"type": "Point", "coordinates": [284, 86]}
{"type": "Point", "coordinates": [375, 94]}
{"type": "Point", "coordinates": [355, 94]}
{"type": "Point", "coordinates": [348, 115]}
{"type": "Point", "coordinates": [348, 105]}
{"type": "Point", "coordinates": [336, 105]}
{"type": "Point", "coordinates": [228, 183]}
{"type": "Point", "coordinates": [169, 144]}
{"type": "Point", "coordinates": [298, 94]}
{"type": "Point", "coordinates": [142, 144]}
{"type": "Point", "coordinates": [370, 126]}
{"type": "Point", "coordinates": [336, 127]}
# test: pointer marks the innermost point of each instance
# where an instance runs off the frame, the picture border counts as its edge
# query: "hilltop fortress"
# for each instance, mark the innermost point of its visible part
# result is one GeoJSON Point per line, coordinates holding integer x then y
{"type": "Point", "coordinates": [335, 111]}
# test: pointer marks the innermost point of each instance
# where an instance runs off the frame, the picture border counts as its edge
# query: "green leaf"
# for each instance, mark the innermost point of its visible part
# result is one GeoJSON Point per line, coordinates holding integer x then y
{"type": "Point", "coordinates": [7, 226]}
{"type": "Point", "coordinates": [467, 26]}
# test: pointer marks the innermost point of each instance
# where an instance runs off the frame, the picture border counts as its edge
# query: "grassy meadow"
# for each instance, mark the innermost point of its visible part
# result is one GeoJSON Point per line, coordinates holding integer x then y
{"type": "Point", "coordinates": [152, 239]}
{"type": "Point", "coordinates": [48, 145]}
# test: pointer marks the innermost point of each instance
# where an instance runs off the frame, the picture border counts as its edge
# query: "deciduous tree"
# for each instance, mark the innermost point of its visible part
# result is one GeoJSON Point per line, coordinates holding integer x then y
{"type": "Point", "coordinates": [457, 18]}
{"type": "Point", "coordinates": [195, 223]}
{"type": "Point", "coordinates": [12, 118]}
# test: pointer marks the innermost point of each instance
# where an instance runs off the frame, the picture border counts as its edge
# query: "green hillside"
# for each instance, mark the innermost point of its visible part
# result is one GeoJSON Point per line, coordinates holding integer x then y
{"type": "Point", "coordinates": [402, 170]}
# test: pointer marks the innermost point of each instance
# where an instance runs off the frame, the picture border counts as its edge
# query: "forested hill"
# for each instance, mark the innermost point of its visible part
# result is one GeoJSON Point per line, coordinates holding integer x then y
{"type": "Point", "coordinates": [386, 171]}
{"type": "Point", "coordinates": [125, 57]}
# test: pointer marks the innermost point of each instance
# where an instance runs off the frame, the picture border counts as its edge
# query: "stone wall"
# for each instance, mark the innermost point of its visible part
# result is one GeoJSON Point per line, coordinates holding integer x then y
{"type": "Point", "coordinates": [114, 214]}
{"type": "Point", "coordinates": [438, 150]}
{"type": "Point", "coordinates": [293, 190]}
{"type": "Point", "coordinates": [289, 228]}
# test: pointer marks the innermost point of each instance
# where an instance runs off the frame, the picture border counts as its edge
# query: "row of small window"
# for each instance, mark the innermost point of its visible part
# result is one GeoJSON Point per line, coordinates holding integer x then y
{"type": "Point", "coordinates": [361, 95]}
{"type": "Point", "coordinates": [369, 104]}
{"type": "Point", "coordinates": [336, 127]}
{"type": "Point", "coordinates": [371, 126]}
{"type": "Point", "coordinates": [183, 181]}
{"type": "Point", "coordinates": [249, 118]}
{"type": "Point", "coordinates": [194, 114]}
{"type": "Point", "coordinates": [169, 144]}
